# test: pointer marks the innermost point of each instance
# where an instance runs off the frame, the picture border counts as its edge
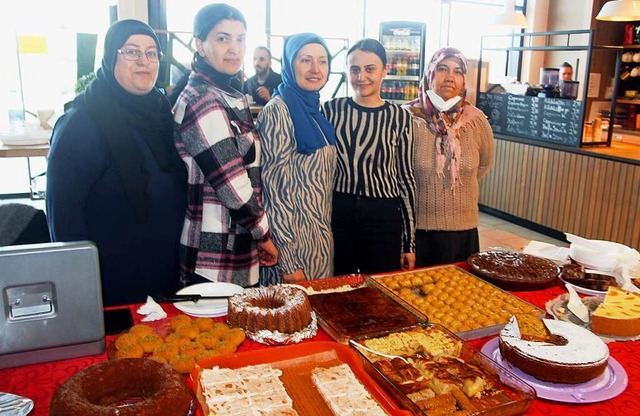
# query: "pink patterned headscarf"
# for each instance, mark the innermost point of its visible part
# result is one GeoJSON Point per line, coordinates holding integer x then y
{"type": "Point", "coordinates": [443, 124]}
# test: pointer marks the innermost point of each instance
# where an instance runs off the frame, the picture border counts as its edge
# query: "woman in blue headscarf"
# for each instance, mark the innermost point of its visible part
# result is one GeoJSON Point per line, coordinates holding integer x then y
{"type": "Point", "coordinates": [298, 164]}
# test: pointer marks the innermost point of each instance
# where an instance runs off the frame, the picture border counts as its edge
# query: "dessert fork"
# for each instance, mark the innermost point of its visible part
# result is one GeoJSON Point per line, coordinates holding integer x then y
{"type": "Point", "coordinates": [357, 344]}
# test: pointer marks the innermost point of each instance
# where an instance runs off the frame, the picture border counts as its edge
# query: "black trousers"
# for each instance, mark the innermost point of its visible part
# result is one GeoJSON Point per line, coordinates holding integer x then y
{"type": "Point", "coordinates": [367, 234]}
{"type": "Point", "coordinates": [441, 247]}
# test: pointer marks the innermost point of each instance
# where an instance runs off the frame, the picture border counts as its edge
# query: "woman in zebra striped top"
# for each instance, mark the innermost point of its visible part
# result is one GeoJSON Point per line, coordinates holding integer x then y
{"type": "Point", "coordinates": [374, 191]}
{"type": "Point", "coordinates": [298, 163]}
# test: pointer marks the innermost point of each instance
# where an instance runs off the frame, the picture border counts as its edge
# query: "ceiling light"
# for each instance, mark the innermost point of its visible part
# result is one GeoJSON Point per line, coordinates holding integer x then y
{"type": "Point", "coordinates": [510, 18]}
{"type": "Point", "coordinates": [620, 11]}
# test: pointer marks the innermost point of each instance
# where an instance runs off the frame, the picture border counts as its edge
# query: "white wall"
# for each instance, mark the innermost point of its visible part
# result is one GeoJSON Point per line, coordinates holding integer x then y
{"type": "Point", "coordinates": [133, 9]}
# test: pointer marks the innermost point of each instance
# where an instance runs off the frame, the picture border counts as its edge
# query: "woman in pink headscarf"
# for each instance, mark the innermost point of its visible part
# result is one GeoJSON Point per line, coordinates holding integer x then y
{"type": "Point", "coordinates": [453, 150]}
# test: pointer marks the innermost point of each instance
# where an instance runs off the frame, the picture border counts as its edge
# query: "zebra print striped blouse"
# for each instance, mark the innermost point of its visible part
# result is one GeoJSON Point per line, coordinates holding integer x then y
{"type": "Point", "coordinates": [375, 155]}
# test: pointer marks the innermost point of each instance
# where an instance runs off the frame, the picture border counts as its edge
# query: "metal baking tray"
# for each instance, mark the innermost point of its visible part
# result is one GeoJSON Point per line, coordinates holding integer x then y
{"type": "Point", "coordinates": [343, 312]}
{"type": "Point", "coordinates": [506, 394]}
{"type": "Point", "coordinates": [488, 313]}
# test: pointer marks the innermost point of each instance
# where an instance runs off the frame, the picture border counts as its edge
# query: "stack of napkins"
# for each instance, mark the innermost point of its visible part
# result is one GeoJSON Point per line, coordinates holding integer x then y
{"type": "Point", "coordinates": [547, 251]}
{"type": "Point", "coordinates": [616, 259]}
{"type": "Point", "coordinates": [152, 310]}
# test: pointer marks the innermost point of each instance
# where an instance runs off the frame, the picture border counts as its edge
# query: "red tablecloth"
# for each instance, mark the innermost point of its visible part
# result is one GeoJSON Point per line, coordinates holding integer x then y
{"type": "Point", "coordinates": [40, 381]}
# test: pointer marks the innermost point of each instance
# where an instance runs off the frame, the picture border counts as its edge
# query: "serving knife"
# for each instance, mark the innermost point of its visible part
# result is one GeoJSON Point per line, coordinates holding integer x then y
{"type": "Point", "coordinates": [188, 298]}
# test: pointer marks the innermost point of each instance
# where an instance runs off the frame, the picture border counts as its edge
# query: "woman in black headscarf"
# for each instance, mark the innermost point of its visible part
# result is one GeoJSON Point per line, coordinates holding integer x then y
{"type": "Point", "coordinates": [114, 176]}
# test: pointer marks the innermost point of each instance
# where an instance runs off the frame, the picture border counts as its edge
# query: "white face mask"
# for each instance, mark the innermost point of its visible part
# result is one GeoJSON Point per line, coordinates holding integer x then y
{"type": "Point", "coordinates": [440, 104]}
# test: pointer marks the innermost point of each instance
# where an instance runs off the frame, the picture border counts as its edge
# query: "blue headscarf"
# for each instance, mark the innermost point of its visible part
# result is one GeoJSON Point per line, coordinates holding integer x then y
{"type": "Point", "coordinates": [304, 106]}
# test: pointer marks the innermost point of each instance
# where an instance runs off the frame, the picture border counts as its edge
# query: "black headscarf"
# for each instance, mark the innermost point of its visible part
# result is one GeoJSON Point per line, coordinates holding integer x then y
{"type": "Point", "coordinates": [118, 114]}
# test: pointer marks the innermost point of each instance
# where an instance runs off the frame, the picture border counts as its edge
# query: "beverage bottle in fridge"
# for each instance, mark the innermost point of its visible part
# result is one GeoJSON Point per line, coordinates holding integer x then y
{"type": "Point", "coordinates": [415, 66]}
{"type": "Point", "coordinates": [393, 43]}
{"type": "Point", "coordinates": [388, 90]}
{"type": "Point", "coordinates": [397, 91]}
{"type": "Point", "coordinates": [402, 66]}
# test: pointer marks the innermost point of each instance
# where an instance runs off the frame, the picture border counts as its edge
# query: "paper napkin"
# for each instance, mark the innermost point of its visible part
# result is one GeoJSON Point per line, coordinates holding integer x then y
{"type": "Point", "coordinates": [547, 251]}
{"type": "Point", "coordinates": [152, 310]}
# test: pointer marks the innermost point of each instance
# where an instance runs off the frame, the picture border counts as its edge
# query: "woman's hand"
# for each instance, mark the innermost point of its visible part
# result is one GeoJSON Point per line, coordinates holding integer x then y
{"type": "Point", "coordinates": [407, 261]}
{"type": "Point", "coordinates": [267, 253]}
{"type": "Point", "coordinates": [294, 277]}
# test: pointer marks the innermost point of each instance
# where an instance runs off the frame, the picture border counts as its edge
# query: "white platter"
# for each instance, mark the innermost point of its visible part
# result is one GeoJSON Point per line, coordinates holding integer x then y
{"type": "Point", "coordinates": [586, 291]}
{"type": "Point", "coordinates": [207, 307]}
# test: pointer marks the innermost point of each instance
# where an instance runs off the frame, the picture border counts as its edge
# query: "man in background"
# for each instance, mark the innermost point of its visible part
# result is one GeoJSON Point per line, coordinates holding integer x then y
{"type": "Point", "coordinates": [262, 84]}
{"type": "Point", "coordinates": [566, 71]}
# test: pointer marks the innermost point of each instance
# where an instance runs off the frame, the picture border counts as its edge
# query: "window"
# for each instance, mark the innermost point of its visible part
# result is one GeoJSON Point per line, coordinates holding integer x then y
{"type": "Point", "coordinates": [459, 23]}
{"type": "Point", "coordinates": [42, 73]}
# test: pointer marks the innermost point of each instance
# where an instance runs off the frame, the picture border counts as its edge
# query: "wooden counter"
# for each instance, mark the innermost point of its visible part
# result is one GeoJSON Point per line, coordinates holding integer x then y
{"type": "Point", "coordinates": [593, 193]}
{"type": "Point", "coordinates": [24, 151]}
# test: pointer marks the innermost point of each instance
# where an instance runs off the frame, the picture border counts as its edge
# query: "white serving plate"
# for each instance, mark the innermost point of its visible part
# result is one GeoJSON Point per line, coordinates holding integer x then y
{"type": "Point", "coordinates": [207, 307]}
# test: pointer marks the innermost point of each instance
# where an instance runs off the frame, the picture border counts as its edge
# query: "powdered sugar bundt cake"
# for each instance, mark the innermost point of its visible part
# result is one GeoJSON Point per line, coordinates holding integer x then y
{"type": "Point", "coordinates": [275, 308]}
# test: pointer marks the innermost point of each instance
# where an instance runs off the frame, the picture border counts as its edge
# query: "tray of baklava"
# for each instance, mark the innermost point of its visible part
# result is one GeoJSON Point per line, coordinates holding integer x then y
{"type": "Point", "coordinates": [430, 371]}
{"type": "Point", "coordinates": [448, 295]}
{"type": "Point", "coordinates": [353, 305]}
{"type": "Point", "coordinates": [316, 378]}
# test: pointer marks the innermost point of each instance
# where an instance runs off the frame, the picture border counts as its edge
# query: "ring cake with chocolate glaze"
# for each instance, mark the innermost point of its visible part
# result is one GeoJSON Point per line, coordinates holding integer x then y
{"type": "Point", "coordinates": [560, 353]}
{"type": "Point", "coordinates": [278, 310]}
{"type": "Point", "coordinates": [124, 387]}
{"type": "Point", "coordinates": [618, 314]}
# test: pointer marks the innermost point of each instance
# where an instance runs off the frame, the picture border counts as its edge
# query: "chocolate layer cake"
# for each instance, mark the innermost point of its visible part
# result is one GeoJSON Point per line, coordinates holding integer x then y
{"type": "Point", "coordinates": [576, 275]}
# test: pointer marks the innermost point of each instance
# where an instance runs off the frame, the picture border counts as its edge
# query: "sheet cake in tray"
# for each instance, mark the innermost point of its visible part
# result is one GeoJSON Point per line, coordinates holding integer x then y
{"type": "Point", "coordinates": [355, 307]}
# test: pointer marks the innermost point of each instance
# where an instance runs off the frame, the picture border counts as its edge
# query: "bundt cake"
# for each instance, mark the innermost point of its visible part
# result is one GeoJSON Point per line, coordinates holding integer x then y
{"type": "Point", "coordinates": [275, 308]}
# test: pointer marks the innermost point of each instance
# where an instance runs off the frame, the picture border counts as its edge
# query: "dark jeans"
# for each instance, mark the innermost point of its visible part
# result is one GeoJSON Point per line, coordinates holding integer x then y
{"type": "Point", "coordinates": [367, 234]}
{"type": "Point", "coordinates": [442, 247]}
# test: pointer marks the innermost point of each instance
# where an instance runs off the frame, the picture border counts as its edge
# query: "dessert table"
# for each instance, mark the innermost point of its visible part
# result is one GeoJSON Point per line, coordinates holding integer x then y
{"type": "Point", "coordinates": [40, 381]}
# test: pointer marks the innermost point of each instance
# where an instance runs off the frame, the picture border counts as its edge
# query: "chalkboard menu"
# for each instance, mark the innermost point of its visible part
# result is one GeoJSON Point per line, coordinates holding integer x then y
{"type": "Point", "coordinates": [551, 120]}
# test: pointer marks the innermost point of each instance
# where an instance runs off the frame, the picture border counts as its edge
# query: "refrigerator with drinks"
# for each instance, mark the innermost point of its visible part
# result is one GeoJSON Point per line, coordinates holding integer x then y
{"type": "Point", "coordinates": [405, 45]}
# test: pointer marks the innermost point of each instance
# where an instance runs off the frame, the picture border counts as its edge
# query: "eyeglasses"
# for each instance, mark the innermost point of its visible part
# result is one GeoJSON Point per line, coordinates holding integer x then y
{"type": "Point", "coordinates": [136, 54]}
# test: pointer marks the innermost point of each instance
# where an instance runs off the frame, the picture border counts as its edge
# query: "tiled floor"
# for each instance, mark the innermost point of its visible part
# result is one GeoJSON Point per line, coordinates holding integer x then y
{"type": "Point", "coordinates": [494, 231]}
